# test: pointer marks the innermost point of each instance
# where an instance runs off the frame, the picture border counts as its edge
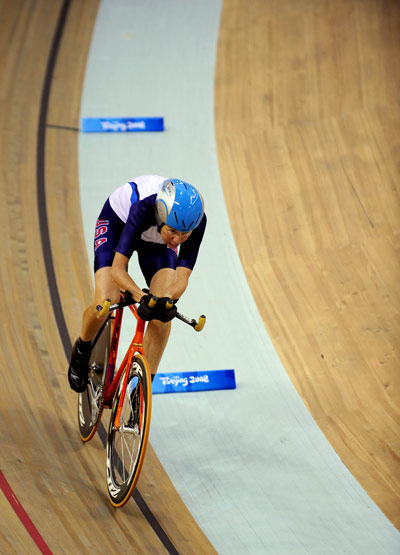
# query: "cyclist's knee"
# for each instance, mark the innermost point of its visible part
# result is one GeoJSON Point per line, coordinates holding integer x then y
{"type": "Point", "coordinates": [105, 288]}
{"type": "Point", "coordinates": [162, 281]}
{"type": "Point", "coordinates": [100, 299]}
{"type": "Point", "coordinates": [159, 327]}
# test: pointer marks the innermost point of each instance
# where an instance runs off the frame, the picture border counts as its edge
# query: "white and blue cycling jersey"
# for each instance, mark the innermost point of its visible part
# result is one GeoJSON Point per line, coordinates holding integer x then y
{"type": "Point", "coordinates": [128, 223]}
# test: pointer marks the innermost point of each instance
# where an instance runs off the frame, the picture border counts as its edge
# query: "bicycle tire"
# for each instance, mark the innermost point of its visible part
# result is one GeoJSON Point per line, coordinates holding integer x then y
{"type": "Point", "coordinates": [90, 402]}
{"type": "Point", "coordinates": [126, 447]}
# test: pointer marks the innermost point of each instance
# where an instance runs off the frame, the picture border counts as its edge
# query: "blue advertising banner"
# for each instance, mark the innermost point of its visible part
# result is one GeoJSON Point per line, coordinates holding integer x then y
{"type": "Point", "coordinates": [184, 382]}
{"type": "Point", "coordinates": [121, 125]}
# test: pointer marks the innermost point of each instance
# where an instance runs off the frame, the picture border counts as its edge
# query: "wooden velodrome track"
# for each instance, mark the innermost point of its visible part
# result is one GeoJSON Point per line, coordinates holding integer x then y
{"type": "Point", "coordinates": [309, 149]}
{"type": "Point", "coordinates": [308, 143]}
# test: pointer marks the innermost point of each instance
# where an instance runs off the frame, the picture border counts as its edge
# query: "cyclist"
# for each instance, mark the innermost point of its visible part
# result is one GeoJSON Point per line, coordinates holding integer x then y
{"type": "Point", "coordinates": [163, 220]}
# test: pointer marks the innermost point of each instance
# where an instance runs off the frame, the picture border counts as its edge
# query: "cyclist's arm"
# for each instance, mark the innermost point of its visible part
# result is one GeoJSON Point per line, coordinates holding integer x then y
{"type": "Point", "coordinates": [121, 277]}
{"type": "Point", "coordinates": [188, 253]}
{"type": "Point", "coordinates": [186, 261]}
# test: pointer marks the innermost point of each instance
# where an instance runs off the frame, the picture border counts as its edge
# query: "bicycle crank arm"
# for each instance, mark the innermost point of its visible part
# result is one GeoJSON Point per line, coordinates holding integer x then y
{"type": "Point", "coordinates": [198, 326]}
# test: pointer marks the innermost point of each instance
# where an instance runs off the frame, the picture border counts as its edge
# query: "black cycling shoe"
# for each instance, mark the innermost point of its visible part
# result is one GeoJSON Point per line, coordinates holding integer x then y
{"type": "Point", "coordinates": [78, 370]}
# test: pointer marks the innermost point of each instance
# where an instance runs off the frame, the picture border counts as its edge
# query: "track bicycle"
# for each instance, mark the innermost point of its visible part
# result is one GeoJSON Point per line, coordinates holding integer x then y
{"type": "Point", "coordinates": [127, 392]}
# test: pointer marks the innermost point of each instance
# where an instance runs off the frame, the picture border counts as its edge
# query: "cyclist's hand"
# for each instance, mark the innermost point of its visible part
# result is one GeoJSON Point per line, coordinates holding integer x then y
{"type": "Point", "coordinates": [166, 312]}
{"type": "Point", "coordinates": [144, 310]}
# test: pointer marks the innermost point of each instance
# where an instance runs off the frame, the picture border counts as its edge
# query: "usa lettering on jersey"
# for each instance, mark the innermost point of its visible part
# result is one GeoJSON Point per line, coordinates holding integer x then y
{"type": "Point", "coordinates": [101, 229]}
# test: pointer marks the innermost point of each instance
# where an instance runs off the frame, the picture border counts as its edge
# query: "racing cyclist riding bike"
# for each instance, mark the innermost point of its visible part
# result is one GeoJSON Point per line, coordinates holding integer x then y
{"type": "Point", "coordinates": [163, 220]}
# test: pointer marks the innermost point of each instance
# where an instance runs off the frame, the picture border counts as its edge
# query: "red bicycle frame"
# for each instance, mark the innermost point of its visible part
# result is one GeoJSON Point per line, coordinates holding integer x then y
{"type": "Point", "coordinates": [136, 346]}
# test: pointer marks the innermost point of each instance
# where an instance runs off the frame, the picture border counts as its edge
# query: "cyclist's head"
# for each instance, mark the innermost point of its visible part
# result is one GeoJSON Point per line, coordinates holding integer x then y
{"type": "Point", "coordinates": [179, 205]}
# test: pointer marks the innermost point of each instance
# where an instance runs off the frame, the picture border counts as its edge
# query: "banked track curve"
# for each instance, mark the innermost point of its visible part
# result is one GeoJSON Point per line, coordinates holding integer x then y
{"type": "Point", "coordinates": [307, 118]}
{"type": "Point", "coordinates": [46, 281]}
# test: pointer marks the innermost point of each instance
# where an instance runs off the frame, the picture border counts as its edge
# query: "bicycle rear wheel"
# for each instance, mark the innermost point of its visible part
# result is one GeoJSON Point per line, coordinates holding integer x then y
{"type": "Point", "coordinates": [126, 446]}
{"type": "Point", "coordinates": [90, 402]}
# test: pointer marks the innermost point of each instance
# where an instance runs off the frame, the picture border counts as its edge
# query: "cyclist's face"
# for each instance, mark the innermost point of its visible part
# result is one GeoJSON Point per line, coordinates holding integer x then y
{"type": "Point", "coordinates": [172, 237]}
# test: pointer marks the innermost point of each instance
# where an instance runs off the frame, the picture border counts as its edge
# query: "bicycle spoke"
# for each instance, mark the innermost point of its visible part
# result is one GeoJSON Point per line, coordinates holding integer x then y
{"type": "Point", "coordinates": [90, 402]}
{"type": "Point", "coordinates": [125, 450]}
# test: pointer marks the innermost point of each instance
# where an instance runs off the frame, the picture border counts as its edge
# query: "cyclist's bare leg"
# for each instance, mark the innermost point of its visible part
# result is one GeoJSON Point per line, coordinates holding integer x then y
{"type": "Point", "coordinates": [79, 364]}
{"type": "Point", "coordinates": [155, 341]}
{"type": "Point", "coordinates": [105, 288]}
{"type": "Point", "coordinates": [157, 333]}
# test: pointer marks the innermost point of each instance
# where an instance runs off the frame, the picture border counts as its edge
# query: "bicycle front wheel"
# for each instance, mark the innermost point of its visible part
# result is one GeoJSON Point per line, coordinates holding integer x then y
{"type": "Point", "coordinates": [126, 444]}
{"type": "Point", "coordinates": [90, 402]}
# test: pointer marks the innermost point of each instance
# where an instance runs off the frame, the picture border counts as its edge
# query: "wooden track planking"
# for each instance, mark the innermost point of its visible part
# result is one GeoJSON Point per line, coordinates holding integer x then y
{"type": "Point", "coordinates": [307, 118]}
{"type": "Point", "coordinates": [15, 539]}
{"type": "Point", "coordinates": [59, 481]}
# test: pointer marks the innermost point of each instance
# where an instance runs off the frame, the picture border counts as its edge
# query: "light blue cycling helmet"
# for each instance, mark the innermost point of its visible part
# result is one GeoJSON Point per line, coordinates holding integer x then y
{"type": "Point", "coordinates": [179, 205]}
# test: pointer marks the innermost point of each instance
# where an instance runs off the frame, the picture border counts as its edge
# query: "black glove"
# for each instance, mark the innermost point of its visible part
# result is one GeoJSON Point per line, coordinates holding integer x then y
{"type": "Point", "coordinates": [143, 309]}
{"type": "Point", "coordinates": [164, 313]}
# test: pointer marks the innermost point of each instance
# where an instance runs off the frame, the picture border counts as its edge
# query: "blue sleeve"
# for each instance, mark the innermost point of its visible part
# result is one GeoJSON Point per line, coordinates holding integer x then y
{"type": "Point", "coordinates": [190, 248]}
{"type": "Point", "coordinates": [141, 216]}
